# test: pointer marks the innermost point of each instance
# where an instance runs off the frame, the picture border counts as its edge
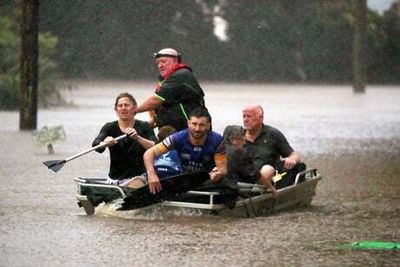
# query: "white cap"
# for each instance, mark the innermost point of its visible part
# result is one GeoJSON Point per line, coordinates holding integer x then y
{"type": "Point", "coordinates": [167, 52]}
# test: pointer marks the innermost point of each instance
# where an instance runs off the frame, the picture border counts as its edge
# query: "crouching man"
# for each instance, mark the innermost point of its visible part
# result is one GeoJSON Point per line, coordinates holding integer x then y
{"type": "Point", "coordinates": [199, 149]}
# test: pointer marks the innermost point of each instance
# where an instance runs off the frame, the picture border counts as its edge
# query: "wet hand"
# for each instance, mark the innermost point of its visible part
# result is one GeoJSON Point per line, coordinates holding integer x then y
{"type": "Point", "coordinates": [154, 184]}
{"type": "Point", "coordinates": [215, 174]}
{"type": "Point", "coordinates": [109, 141]}
{"type": "Point", "coordinates": [131, 132]}
{"type": "Point", "coordinates": [289, 163]}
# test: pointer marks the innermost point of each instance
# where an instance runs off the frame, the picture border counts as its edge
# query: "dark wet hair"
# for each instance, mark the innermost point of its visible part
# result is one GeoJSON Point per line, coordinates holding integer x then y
{"type": "Point", "coordinates": [127, 95]}
{"type": "Point", "coordinates": [201, 112]}
{"type": "Point", "coordinates": [165, 131]}
{"type": "Point", "coordinates": [233, 131]}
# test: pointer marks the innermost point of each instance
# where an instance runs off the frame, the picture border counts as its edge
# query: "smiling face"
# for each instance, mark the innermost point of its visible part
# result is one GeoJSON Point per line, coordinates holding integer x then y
{"type": "Point", "coordinates": [165, 64]}
{"type": "Point", "coordinates": [198, 128]}
{"type": "Point", "coordinates": [125, 108]}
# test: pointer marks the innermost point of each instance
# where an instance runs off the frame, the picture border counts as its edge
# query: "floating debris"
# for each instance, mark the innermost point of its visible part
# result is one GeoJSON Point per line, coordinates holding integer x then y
{"type": "Point", "coordinates": [371, 245]}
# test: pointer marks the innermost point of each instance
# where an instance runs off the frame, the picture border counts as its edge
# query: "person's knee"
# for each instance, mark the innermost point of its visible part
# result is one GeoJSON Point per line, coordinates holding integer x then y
{"type": "Point", "coordinates": [267, 171]}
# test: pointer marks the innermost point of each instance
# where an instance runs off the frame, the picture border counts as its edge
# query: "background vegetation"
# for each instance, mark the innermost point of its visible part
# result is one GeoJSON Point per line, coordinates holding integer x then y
{"type": "Point", "coordinates": [268, 41]}
{"type": "Point", "coordinates": [9, 63]}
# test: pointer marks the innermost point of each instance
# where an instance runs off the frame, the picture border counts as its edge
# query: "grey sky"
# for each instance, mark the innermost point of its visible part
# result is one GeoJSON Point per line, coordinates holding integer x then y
{"type": "Point", "coordinates": [380, 5]}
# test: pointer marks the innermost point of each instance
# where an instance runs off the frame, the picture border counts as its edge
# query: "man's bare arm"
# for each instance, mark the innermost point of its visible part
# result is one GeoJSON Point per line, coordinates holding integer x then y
{"type": "Point", "coordinates": [220, 168]}
{"type": "Point", "coordinates": [151, 103]}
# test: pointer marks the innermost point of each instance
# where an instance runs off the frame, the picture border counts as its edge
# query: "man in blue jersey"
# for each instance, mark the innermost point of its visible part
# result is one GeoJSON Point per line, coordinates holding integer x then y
{"type": "Point", "coordinates": [199, 149]}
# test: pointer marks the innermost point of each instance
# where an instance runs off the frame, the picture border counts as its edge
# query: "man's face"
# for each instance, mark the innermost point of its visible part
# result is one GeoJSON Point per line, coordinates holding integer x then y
{"type": "Point", "coordinates": [251, 118]}
{"type": "Point", "coordinates": [125, 108]}
{"type": "Point", "coordinates": [165, 64]}
{"type": "Point", "coordinates": [198, 127]}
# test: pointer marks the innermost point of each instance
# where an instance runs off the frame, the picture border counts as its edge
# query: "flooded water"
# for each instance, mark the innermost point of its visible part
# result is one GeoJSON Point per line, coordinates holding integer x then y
{"type": "Point", "coordinates": [352, 139]}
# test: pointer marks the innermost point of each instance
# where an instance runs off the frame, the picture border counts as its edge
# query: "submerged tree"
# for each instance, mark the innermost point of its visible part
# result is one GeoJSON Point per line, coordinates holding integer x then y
{"type": "Point", "coordinates": [29, 65]}
{"type": "Point", "coordinates": [359, 68]}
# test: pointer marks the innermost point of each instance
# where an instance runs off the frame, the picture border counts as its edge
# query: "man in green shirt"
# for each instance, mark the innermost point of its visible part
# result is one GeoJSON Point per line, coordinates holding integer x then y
{"type": "Point", "coordinates": [267, 145]}
{"type": "Point", "coordinates": [177, 94]}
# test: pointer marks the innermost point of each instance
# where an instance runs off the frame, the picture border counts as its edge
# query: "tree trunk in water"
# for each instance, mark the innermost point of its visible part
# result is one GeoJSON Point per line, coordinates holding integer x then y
{"type": "Point", "coordinates": [359, 69]}
{"type": "Point", "coordinates": [28, 85]}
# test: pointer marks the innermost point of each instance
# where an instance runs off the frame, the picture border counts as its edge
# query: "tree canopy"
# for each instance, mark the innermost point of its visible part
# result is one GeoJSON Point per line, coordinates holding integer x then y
{"type": "Point", "coordinates": [268, 41]}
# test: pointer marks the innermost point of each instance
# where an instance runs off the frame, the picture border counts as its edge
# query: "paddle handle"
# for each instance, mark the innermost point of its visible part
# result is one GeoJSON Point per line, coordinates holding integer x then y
{"type": "Point", "coordinates": [93, 148]}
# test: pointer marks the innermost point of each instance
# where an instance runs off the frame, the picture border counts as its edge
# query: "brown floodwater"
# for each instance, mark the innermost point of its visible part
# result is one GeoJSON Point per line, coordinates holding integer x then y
{"type": "Point", "coordinates": [352, 139]}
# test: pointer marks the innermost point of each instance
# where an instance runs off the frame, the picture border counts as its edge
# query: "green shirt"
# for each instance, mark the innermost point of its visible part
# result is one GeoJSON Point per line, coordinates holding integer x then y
{"type": "Point", "coordinates": [180, 94]}
{"type": "Point", "coordinates": [268, 147]}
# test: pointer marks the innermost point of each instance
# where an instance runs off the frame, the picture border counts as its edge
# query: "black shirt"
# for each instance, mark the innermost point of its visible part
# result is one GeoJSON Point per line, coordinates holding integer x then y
{"type": "Point", "coordinates": [126, 157]}
{"type": "Point", "coordinates": [240, 165]}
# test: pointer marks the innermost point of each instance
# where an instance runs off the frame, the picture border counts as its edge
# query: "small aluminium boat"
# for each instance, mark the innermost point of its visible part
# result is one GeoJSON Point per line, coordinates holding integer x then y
{"type": "Point", "coordinates": [252, 200]}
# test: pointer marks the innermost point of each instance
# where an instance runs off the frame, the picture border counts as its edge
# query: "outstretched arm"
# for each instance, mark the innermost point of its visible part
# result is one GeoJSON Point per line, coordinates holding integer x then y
{"type": "Point", "coordinates": [151, 103]}
{"type": "Point", "coordinates": [144, 142]}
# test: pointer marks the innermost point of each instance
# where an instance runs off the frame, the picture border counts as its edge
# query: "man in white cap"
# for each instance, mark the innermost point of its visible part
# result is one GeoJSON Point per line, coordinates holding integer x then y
{"type": "Point", "coordinates": [177, 93]}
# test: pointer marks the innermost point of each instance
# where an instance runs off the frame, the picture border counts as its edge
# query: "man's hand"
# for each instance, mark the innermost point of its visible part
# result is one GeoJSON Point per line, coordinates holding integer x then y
{"type": "Point", "coordinates": [289, 163]}
{"type": "Point", "coordinates": [215, 174]}
{"type": "Point", "coordinates": [154, 184]}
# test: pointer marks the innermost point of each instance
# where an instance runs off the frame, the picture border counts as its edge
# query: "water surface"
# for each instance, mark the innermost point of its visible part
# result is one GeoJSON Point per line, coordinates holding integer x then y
{"type": "Point", "coordinates": [352, 139]}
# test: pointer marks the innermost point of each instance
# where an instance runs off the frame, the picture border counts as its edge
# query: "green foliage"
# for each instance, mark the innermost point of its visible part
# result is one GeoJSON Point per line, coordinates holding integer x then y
{"type": "Point", "coordinates": [9, 66]}
{"type": "Point", "coordinates": [270, 40]}
{"type": "Point", "coordinates": [49, 135]}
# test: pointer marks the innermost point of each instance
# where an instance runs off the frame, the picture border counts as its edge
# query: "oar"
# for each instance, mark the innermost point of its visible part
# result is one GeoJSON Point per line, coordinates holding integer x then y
{"type": "Point", "coordinates": [56, 165]}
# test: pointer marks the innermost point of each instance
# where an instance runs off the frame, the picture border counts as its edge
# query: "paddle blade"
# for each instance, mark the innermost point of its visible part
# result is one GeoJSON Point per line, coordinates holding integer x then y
{"type": "Point", "coordinates": [54, 165]}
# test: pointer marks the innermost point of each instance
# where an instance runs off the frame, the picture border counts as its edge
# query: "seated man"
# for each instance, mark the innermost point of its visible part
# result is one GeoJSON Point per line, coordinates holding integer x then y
{"type": "Point", "coordinates": [267, 145]}
{"type": "Point", "coordinates": [199, 149]}
{"type": "Point", "coordinates": [167, 164]}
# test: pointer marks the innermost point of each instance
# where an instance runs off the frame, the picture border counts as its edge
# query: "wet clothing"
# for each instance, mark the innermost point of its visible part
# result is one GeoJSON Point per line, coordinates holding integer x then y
{"type": "Point", "coordinates": [268, 147]}
{"type": "Point", "coordinates": [195, 158]}
{"type": "Point", "coordinates": [180, 94]}
{"type": "Point", "coordinates": [126, 157]}
{"type": "Point", "coordinates": [240, 165]}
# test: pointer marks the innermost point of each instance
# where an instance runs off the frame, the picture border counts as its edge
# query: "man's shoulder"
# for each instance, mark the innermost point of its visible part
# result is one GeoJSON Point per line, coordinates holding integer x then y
{"type": "Point", "coordinates": [268, 129]}
{"type": "Point", "coordinates": [182, 72]}
{"type": "Point", "coordinates": [215, 135]}
{"type": "Point", "coordinates": [181, 135]}
{"type": "Point", "coordinates": [273, 134]}
{"type": "Point", "coordinates": [215, 139]}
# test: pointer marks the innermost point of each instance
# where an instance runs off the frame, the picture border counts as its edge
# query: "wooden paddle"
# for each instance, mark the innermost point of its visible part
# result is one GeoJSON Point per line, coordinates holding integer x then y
{"type": "Point", "coordinates": [56, 165]}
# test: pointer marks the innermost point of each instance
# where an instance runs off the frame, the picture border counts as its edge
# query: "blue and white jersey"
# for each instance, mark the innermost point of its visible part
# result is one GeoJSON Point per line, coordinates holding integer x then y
{"type": "Point", "coordinates": [196, 158]}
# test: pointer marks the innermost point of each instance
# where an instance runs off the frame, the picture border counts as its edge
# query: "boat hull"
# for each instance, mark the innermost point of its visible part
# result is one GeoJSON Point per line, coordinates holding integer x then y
{"type": "Point", "coordinates": [255, 200]}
